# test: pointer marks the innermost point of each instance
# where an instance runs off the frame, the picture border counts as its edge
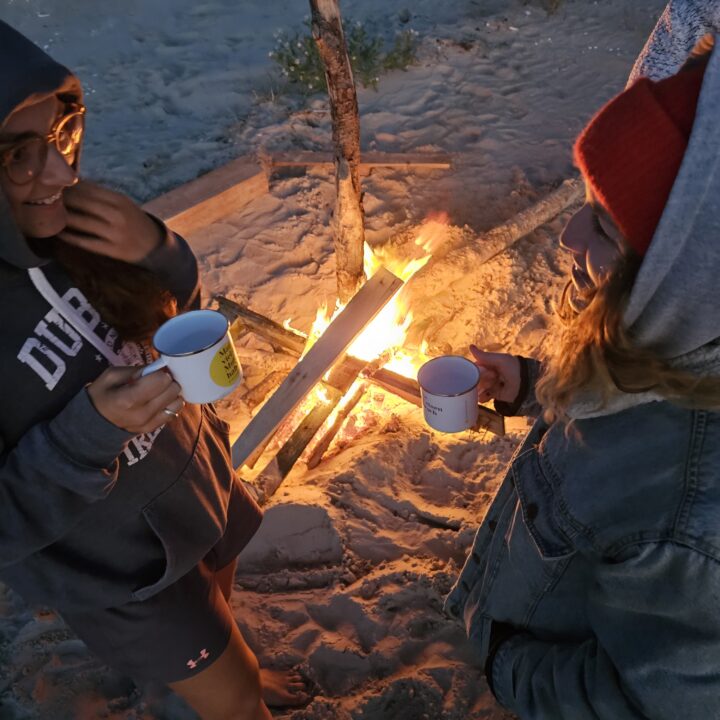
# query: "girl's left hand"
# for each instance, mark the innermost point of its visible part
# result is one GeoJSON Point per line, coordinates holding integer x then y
{"type": "Point", "coordinates": [108, 223]}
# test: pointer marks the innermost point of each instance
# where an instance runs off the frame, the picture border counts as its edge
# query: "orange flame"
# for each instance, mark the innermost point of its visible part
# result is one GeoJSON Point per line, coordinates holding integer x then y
{"type": "Point", "coordinates": [389, 328]}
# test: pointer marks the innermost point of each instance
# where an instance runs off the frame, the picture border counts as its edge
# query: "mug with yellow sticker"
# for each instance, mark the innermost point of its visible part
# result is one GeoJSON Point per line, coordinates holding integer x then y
{"type": "Point", "coordinates": [197, 349]}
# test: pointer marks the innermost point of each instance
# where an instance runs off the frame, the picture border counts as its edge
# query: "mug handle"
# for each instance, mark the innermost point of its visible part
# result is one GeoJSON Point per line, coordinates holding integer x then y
{"type": "Point", "coordinates": [159, 364]}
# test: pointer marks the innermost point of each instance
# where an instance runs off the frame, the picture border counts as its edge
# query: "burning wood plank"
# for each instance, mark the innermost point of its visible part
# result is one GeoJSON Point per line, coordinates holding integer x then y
{"type": "Point", "coordinates": [275, 333]}
{"type": "Point", "coordinates": [324, 443]}
{"type": "Point", "coordinates": [341, 378]}
{"type": "Point", "coordinates": [319, 359]}
{"type": "Point", "coordinates": [339, 382]}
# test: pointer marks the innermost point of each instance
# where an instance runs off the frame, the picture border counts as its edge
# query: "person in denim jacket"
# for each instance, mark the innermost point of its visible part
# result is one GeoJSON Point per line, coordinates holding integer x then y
{"type": "Point", "coordinates": [592, 589]}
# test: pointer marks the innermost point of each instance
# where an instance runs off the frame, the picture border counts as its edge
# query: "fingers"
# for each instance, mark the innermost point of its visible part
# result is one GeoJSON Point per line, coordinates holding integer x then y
{"type": "Point", "coordinates": [135, 403]}
{"type": "Point", "coordinates": [114, 377]}
{"type": "Point", "coordinates": [486, 359]}
{"type": "Point", "coordinates": [91, 243]}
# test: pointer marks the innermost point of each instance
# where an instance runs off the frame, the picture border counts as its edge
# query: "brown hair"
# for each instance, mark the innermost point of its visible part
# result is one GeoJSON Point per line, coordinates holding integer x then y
{"type": "Point", "coordinates": [131, 299]}
{"type": "Point", "coordinates": [595, 351]}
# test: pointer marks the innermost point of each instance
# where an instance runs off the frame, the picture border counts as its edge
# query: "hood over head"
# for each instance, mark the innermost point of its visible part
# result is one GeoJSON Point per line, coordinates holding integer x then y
{"type": "Point", "coordinates": [673, 306]}
{"type": "Point", "coordinates": [27, 75]}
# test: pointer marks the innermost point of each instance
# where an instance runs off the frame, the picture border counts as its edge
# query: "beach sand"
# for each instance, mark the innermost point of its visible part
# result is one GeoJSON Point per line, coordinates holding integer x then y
{"type": "Point", "coordinates": [346, 577]}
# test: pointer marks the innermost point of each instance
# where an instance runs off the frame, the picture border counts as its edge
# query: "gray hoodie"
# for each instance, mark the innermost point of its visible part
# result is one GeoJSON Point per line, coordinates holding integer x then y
{"type": "Point", "coordinates": [673, 307]}
{"type": "Point", "coordinates": [91, 516]}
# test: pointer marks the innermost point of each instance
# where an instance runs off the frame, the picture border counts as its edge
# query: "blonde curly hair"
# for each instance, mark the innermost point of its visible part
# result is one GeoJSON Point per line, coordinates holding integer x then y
{"type": "Point", "coordinates": [594, 351]}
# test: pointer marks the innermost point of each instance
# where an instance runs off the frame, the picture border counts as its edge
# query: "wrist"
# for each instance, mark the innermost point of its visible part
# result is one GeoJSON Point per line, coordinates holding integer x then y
{"type": "Point", "coordinates": [511, 408]}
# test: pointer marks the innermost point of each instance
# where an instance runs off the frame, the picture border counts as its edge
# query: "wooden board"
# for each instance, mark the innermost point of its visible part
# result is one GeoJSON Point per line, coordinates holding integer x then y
{"type": "Point", "coordinates": [211, 196]}
{"type": "Point", "coordinates": [321, 357]}
{"type": "Point", "coordinates": [427, 161]}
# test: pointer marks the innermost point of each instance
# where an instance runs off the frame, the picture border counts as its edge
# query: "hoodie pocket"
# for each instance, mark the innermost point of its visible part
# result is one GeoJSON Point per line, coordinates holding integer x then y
{"type": "Point", "coordinates": [190, 516]}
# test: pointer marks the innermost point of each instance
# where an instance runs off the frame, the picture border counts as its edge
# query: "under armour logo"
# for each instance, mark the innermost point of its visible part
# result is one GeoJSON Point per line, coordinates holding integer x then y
{"type": "Point", "coordinates": [204, 655]}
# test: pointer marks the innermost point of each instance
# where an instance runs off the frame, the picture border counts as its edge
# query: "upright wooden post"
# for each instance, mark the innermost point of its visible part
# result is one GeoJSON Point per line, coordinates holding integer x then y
{"type": "Point", "coordinates": [349, 226]}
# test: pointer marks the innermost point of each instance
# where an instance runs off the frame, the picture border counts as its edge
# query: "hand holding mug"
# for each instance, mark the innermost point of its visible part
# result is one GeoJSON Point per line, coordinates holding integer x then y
{"type": "Point", "coordinates": [500, 379]}
{"type": "Point", "coordinates": [136, 404]}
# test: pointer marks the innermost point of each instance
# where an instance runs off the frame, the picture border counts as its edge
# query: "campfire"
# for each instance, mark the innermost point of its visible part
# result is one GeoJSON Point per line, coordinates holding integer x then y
{"type": "Point", "coordinates": [348, 349]}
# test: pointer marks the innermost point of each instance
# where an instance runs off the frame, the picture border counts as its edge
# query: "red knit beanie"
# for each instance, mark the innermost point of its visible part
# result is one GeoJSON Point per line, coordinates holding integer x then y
{"type": "Point", "coordinates": [631, 151]}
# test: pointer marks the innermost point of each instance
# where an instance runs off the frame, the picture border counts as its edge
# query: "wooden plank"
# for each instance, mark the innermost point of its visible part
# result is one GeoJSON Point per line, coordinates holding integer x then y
{"type": "Point", "coordinates": [339, 381]}
{"type": "Point", "coordinates": [425, 161]}
{"type": "Point", "coordinates": [409, 390]}
{"type": "Point", "coordinates": [210, 197]}
{"type": "Point", "coordinates": [322, 355]}
{"type": "Point", "coordinates": [340, 378]}
{"type": "Point", "coordinates": [269, 329]}
{"type": "Point", "coordinates": [305, 432]}
{"type": "Point", "coordinates": [324, 442]}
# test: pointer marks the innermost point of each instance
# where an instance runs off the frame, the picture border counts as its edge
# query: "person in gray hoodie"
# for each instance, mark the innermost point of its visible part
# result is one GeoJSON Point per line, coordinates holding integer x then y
{"type": "Point", "coordinates": [591, 587]}
{"type": "Point", "coordinates": [682, 24]}
{"type": "Point", "coordinates": [119, 505]}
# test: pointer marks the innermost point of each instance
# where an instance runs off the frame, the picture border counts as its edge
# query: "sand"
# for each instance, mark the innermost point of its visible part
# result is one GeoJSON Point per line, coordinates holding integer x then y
{"type": "Point", "coordinates": [346, 577]}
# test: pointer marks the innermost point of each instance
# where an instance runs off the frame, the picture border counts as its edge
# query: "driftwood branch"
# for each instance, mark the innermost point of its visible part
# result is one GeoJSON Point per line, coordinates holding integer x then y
{"type": "Point", "coordinates": [455, 263]}
{"type": "Point", "coordinates": [275, 333]}
{"type": "Point", "coordinates": [349, 223]}
{"type": "Point", "coordinates": [505, 235]}
{"type": "Point", "coordinates": [256, 394]}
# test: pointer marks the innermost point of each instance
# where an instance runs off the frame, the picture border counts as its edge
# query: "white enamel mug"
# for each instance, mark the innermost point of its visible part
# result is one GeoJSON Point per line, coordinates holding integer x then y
{"type": "Point", "coordinates": [448, 385]}
{"type": "Point", "coordinates": [197, 349]}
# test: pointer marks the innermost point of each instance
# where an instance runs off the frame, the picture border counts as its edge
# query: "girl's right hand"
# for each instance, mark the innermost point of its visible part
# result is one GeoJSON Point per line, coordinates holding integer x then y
{"type": "Point", "coordinates": [500, 376]}
{"type": "Point", "coordinates": [133, 403]}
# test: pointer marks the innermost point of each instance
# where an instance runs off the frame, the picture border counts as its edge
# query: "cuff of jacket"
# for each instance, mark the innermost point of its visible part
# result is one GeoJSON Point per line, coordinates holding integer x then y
{"type": "Point", "coordinates": [84, 438]}
{"type": "Point", "coordinates": [511, 408]}
{"type": "Point", "coordinates": [499, 634]}
{"type": "Point", "coordinates": [526, 402]}
{"type": "Point", "coordinates": [500, 677]}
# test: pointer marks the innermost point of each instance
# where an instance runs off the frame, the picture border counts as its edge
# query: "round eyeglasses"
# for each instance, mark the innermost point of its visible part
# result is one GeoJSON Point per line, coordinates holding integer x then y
{"type": "Point", "coordinates": [23, 158]}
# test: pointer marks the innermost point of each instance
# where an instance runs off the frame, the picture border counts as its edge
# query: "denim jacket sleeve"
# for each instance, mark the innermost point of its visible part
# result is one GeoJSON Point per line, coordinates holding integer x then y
{"type": "Point", "coordinates": [656, 650]}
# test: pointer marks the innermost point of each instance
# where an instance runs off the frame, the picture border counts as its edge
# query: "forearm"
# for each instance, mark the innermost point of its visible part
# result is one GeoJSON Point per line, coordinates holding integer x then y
{"type": "Point", "coordinates": [559, 681]}
{"type": "Point", "coordinates": [175, 265]}
{"type": "Point", "coordinates": [56, 471]}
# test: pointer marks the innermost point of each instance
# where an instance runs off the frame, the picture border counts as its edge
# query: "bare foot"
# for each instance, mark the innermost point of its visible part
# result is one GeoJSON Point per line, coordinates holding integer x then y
{"type": "Point", "coordinates": [283, 688]}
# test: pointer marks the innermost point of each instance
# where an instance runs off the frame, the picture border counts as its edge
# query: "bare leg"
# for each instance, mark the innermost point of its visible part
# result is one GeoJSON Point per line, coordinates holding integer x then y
{"type": "Point", "coordinates": [280, 688]}
{"type": "Point", "coordinates": [230, 688]}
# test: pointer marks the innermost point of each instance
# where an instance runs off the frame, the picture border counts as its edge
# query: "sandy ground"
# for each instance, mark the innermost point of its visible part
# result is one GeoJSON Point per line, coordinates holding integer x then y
{"type": "Point", "coordinates": [346, 577]}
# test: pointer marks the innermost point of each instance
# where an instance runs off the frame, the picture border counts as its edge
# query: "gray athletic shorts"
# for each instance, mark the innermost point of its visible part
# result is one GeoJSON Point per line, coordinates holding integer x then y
{"type": "Point", "coordinates": [175, 634]}
{"type": "Point", "coordinates": [169, 637]}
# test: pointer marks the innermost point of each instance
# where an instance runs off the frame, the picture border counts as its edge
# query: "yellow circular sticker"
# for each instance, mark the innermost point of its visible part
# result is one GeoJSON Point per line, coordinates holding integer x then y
{"type": "Point", "coordinates": [224, 368]}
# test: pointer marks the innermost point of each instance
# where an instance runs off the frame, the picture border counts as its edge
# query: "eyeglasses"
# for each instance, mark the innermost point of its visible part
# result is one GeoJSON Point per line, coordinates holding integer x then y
{"type": "Point", "coordinates": [24, 157]}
